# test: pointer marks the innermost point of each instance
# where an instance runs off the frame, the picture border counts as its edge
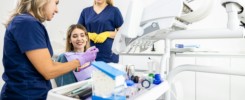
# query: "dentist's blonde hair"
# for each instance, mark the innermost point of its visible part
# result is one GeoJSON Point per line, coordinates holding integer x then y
{"type": "Point", "coordinates": [109, 2]}
{"type": "Point", "coordinates": [27, 6]}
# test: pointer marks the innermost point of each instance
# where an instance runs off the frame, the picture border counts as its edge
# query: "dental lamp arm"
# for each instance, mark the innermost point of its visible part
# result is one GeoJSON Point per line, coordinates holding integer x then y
{"type": "Point", "coordinates": [235, 11]}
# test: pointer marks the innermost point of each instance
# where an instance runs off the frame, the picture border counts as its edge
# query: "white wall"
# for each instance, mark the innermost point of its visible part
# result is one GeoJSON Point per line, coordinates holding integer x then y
{"type": "Point", "coordinates": [69, 12]}
{"type": "Point", "coordinates": [5, 8]}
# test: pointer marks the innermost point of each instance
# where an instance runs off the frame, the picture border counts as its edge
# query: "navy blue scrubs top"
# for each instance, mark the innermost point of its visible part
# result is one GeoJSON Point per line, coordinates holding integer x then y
{"type": "Point", "coordinates": [108, 20]}
{"type": "Point", "coordinates": [22, 80]}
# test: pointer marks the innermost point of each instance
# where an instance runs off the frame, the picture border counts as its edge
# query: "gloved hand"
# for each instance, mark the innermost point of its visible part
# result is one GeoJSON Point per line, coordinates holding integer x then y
{"type": "Point", "coordinates": [72, 55]}
{"type": "Point", "coordinates": [92, 36]}
{"type": "Point", "coordinates": [83, 58]}
{"type": "Point", "coordinates": [88, 56]}
{"type": "Point", "coordinates": [102, 37]}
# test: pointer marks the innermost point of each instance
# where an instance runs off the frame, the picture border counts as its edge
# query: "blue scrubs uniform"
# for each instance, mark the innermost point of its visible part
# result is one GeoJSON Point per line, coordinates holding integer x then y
{"type": "Point", "coordinates": [108, 20]}
{"type": "Point", "coordinates": [22, 80]}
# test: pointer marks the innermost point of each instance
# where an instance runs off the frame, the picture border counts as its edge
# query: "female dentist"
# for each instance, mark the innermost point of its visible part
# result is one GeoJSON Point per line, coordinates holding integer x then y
{"type": "Point", "coordinates": [27, 52]}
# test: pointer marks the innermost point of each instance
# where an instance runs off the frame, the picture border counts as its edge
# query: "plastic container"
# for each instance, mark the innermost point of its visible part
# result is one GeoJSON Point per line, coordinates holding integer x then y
{"type": "Point", "coordinates": [108, 83]}
{"type": "Point", "coordinates": [150, 64]}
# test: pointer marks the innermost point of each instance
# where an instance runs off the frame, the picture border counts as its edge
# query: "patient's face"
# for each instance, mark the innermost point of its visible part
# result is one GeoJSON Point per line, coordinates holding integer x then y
{"type": "Point", "coordinates": [78, 39]}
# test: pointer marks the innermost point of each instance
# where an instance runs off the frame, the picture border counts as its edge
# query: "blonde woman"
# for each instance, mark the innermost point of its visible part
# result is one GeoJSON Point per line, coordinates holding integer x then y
{"type": "Point", "coordinates": [27, 52]}
{"type": "Point", "coordinates": [102, 21]}
{"type": "Point", "coordinates": [77, 42]}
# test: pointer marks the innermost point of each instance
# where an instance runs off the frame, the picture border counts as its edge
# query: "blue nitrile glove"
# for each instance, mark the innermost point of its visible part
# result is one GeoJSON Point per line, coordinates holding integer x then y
{"type": "Point", "coordinates": [73, 55]}
{"type": "Point", "coordinates": [89, 55]}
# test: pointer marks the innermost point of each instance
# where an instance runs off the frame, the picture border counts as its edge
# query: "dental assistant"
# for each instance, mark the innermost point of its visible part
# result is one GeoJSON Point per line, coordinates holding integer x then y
{"type": "Point", "coordinates": [102, 21]}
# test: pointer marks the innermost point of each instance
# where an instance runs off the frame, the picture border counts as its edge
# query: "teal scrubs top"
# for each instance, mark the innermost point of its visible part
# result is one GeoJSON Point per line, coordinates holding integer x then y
{"type": "Point", "coordinates": [108, 20]}
{"type": "Point", "coordinates": [67, 78]}
{"type": "Point", "coordinates": [22, 80]}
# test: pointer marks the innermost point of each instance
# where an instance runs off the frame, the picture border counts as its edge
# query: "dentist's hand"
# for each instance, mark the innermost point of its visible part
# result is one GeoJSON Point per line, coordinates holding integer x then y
{"type": "Point", "coordinates": [88, 56]}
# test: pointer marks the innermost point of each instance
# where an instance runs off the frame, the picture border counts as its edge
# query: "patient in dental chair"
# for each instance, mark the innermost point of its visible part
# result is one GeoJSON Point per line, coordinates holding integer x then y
{"type": "Point", "coordinates": [77, 42]}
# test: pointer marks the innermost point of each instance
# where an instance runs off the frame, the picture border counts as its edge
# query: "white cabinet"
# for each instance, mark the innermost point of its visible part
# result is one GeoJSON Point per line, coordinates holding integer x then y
{"type": "Point", "coordinates": [212, 86]}
{"type": "Point", "coordinates": [237, 82]}
{"type": "Point", "coordinates": [185, 81]}
{"type": "Point", "coordinates": [140, 61]}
